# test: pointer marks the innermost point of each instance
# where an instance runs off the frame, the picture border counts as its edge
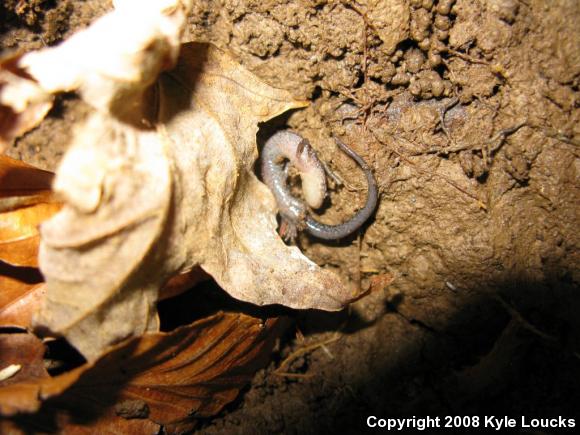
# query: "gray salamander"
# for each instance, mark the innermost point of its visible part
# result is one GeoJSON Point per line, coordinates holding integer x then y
{"type": "Point", "coordinates": [288, 146]}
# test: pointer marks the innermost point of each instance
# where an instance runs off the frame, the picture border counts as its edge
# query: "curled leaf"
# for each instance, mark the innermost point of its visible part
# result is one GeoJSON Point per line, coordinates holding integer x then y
{"type": "Point", "coordinates": [164, 378]}
{"type": "Point", "coordinates": [21, 179]}
{"type": "Point", "coordinates": [182, 282]}
{"type": "Point", "coordinates": [19, 301]}
{"type": "Point", "coordinates": [23, 103]}
{"type": "Point", "coordinates": [227, 215]}
{"type": "Point", "coordinates": [19, 237]}
{"type": "Point", "coordinates": [26, 200]}
{"type": "Point", "coordinates": [159, 181]}
{"type": "Point", "coordinates": [24, 351]}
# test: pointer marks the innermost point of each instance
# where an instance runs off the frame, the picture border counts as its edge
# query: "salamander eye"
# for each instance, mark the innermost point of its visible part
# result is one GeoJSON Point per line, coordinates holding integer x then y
{"type": "Point", "coordinates": [301, 146]}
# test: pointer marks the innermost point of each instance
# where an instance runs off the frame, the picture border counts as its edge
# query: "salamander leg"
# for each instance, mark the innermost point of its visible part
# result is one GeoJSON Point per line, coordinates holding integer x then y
{"type": "Point", "coordinates": [288, 231]}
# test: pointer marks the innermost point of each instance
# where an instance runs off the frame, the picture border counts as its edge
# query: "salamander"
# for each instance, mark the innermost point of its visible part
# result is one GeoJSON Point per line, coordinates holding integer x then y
{"type": "Point", "coordinates": [286, 146]}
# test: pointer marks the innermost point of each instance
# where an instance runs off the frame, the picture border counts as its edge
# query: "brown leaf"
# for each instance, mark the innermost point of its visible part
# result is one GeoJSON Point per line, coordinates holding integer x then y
{"type": "Point", "coordinates": [23, 103]}
{"type": "Point", "coordinates": [144, 205]}
{"type": "Point", "coordinates": [19, 301]}
{"type": "Point", "coordinates": [381, 282]}
{"type": "Point", "coordinates": [19, 237]}
{"type": "Point", "coordinates": [167, 377]}
{"type": "Point", "coordinates": [26, 200]}
{"type": "Point", "coordinates": [160, 180]}
{"type": "Point", "coordinates": [26, 351]}
{"type": "Point", "coordinates": [182, 282]}
{"type": "Point", "coordinates": [21, 179]}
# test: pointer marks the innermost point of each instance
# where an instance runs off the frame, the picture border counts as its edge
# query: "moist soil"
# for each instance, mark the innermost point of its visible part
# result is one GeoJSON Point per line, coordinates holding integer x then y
{"type": "Point", "coordinates": [468, 113]}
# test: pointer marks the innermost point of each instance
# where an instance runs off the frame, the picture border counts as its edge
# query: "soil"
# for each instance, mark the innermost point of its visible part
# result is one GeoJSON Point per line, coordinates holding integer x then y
{"type": "Point", "coordinates": [468, 112]}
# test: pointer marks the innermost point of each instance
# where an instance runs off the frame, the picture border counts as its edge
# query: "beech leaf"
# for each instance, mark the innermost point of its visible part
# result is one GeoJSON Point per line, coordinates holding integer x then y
{"type": "Point", "coordinates": [26, 199]}
{"type": "Point", "coordinates": [27, 352]}
{"type": "Point", "coordinates": [23, 104]}
{"type": "Point", "coordinates": [166, 378]}
{"type": "Point", "coordinates": [19, 301]}
{"type": "Point", "coordinates": [159, 180]}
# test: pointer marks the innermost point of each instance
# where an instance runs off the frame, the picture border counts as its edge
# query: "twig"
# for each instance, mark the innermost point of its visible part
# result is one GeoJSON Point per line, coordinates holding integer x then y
{"type": "Point", "coordinates": [281, 370]}
{"type": "Point", "coordinates": [442, 111]}
{"type": "Point", "coordinates": [502, 134]}
{"type": "Point", "coordinates": [518, 316]}
{"type": "Point", "coordinates": [487, 151]}
{"type": "Point", "coordinates": [466, 57]}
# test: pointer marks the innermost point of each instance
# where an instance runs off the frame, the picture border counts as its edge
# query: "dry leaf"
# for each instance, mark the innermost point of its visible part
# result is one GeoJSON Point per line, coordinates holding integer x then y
{"type": "Point", "coordinates": [159, 180]}
{"type": "Point", "coordinates": [19, 237]}
{"type": "Point", "coordinates": [167, 378]}
{"type": "Point", "coordinates": [21, 179]}
{"type": "Point", "coordinates": [23, 104]}
{"type": "Point", "coordinates": [226, 217]}
{"type": "Point", "coordinates": [20, 291]}
{"type": "Point", "coordinates": [111, 64]}
{"type": "Point", "coordinates": [26, 200]}
{"type": "Point", "coordinates": [19, 305]}
{"type": "Point", "coordinates": [381, 282]}
{"type": "Point", "coordinates": [182, 282]}
{"type": "Point", "coordinates": [26, 351]}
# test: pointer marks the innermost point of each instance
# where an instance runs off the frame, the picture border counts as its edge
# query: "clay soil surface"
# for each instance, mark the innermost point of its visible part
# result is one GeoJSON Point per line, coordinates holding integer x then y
{"type": "Point", "coordinates": [468, 113]}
